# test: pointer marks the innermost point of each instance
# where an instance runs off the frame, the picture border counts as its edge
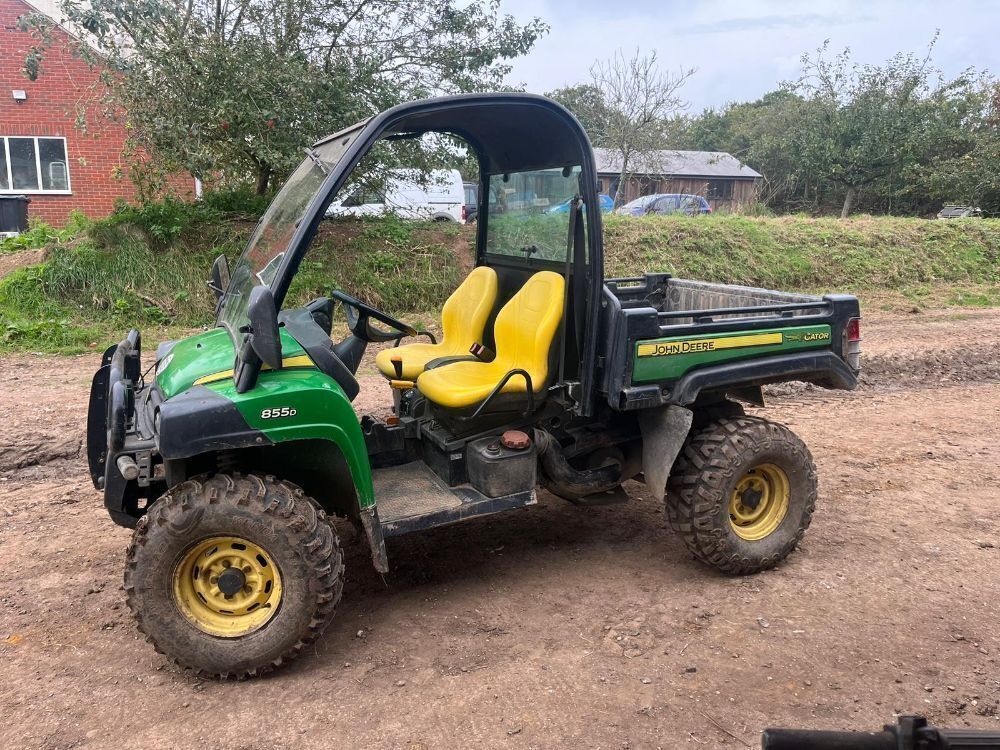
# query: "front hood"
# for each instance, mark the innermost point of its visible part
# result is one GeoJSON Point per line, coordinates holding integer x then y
{"type": "Point", "coordinates": [210, 357]}
{"type": "Point", "coordinates": [195, 357]}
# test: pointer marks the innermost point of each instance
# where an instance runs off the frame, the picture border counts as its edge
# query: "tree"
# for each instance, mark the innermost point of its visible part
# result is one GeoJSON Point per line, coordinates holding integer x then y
{"type": "Point", "coordinates": [760, 134]}
{"type": "Point", "coordinates": [967, 172]}
{"type": "Point", "coordinates": [237, 88]}
{"type": "Point", "coordinates": [865, 126]}
{"type": "Point", "coordinates": [626, 107]}
{"type": "Point", "coordinates": [586, 101]}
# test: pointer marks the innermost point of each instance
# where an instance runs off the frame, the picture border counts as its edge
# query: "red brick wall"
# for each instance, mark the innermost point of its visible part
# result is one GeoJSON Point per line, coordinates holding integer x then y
{"type": "Point", "coordinates": [98, 172]}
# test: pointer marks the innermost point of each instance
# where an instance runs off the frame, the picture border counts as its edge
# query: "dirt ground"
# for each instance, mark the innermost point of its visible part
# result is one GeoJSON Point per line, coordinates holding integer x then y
{"type": "Point", "coordinates": [556, 626]}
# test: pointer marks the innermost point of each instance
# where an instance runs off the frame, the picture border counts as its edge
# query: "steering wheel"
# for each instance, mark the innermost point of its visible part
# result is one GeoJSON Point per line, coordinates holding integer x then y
{"type": "Point", "coordinates": [358, 320]}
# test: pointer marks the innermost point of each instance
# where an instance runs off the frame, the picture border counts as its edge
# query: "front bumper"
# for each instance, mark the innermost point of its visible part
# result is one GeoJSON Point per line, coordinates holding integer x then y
{"type": "Point", "coordinates": [121, 432]}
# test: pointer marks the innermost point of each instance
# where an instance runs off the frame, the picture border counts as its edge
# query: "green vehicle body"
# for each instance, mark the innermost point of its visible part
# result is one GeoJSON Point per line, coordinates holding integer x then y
{"type": "Point", "coordinates": [670, 358]}
{"type": "Point", "coordinates": [297, 402]}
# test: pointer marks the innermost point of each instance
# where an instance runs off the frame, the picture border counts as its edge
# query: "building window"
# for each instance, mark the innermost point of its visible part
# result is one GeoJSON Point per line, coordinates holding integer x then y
{"type": "Point", "coordinates": [720, 189]}
{"type": "Point", "coordinates": [33, 165]}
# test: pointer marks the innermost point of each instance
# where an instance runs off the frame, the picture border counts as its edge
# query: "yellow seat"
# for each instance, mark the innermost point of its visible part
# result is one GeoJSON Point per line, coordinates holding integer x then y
{"type": "Point", "coordinates": [463, 319]}
{"type": "Point", "coordinates": [524, 331]}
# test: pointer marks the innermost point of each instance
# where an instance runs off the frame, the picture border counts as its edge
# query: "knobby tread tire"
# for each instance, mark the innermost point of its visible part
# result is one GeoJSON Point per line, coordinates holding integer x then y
{"type": "Point", "coordinates": [307, 553]}
{"type": "Point", "coordinates": [713, 459]}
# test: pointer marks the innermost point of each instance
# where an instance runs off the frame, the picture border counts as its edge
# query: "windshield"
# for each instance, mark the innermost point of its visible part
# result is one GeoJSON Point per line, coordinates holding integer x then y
{"type": "Point", "coordinates": [270, 241]}
{"type": "Point", "coordinates": [522, 222]}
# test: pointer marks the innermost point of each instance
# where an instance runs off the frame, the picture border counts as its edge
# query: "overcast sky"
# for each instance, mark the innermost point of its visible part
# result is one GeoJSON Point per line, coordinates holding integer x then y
{"type": "Point", "coordinates": [743, 49]}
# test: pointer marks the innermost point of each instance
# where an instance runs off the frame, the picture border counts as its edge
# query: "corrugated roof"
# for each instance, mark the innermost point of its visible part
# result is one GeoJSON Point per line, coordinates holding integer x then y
{"type": "Point", "coordinates": [681, 163]}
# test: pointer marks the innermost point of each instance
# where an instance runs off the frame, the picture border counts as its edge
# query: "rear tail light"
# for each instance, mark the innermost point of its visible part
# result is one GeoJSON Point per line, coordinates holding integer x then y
{"type": "Point", "coordinates": [852, 343]}
{"type": "Point", "coordinates": [465, 213]}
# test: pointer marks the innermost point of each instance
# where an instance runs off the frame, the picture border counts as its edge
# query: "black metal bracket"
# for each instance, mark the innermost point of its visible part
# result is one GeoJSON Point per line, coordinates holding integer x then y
{"type": "Point", "coordinates": [499, 386]}
{"type": "Point", "coordinates": [428, 334]}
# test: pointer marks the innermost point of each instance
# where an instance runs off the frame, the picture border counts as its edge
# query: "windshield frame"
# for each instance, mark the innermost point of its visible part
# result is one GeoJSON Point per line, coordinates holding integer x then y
{"type": "Point", "coordinates": [469, 117]}
{"type": "Point", "coordinates": [280, 255]}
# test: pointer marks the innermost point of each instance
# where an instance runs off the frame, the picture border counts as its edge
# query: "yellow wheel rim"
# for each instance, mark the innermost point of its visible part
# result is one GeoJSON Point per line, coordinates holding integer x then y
{"type": "Point", "coordinates": [227, 586]}
{"type": "Point", "coordinates": [759, 502]}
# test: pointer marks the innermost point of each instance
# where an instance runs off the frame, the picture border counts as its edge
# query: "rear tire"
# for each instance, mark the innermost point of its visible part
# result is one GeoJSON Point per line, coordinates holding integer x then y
{"type": "Point", "coordinates": [232, 576]}
{"type": "Point", "coordinates": [742, 493]}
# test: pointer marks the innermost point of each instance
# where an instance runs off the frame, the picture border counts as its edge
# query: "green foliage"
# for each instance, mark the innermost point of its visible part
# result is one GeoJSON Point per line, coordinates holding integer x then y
{"type": "Point", "coordinates": [238, 200]}
{"type": "Point", "coordinates": [586, 101]}
{"type": "Point", "coordinates": [798, 253]}
{"type": "Point", "coordinates": [892, 138]}
{"type": "Point", "coordinates": [861, 126]}
{"type": "Point", "coordinates": [399, 266]}
{"type": "Point", "coordinates": [237, 89]}
{"type": "Point", "coordinates": [113, 276]}
{"type": "Point", "coordinates": [40, 234]}
{"type": "Point", "coordinates": [895, 138]}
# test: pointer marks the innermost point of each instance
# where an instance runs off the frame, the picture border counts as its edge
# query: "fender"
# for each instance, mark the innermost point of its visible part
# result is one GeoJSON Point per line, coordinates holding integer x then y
{"type": "Point", "coordinates": [286, 405]}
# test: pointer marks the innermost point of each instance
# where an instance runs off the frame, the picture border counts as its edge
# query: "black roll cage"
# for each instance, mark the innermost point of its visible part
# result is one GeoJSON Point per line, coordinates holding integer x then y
{"type": "Point", "coordinates": [509, 132]}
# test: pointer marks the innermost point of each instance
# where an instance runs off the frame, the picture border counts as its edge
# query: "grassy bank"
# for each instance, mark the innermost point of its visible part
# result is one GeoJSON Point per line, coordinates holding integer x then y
{"type": "Point", "coordinates": [148, 268]}
{"type": "Point", "coordinates": [795, 253]}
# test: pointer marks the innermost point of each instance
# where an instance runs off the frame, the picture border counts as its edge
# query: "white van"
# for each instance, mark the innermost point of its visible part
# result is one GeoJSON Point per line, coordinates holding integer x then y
{"type": "Point", "coordinates": [410, 195]}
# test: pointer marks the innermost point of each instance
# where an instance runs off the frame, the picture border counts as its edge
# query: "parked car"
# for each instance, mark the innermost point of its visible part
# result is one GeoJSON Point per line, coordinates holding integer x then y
{"type": "Point", "coordinates": [960, 212]}
{"type": "Point", "coordinates": [606, 201]}
{"type": "Point", "coordinates": [666, 203]}
{"type": "Point", "coordinates": [471, 208]}
{"type": "Point", "coordinates": [439, 196]}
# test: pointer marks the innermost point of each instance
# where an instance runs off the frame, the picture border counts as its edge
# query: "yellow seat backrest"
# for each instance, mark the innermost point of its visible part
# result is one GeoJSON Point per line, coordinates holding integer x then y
{"type": "Point", "coordinates": [526, 327]}
{"type": "Point", "coordinates": [464, 315]}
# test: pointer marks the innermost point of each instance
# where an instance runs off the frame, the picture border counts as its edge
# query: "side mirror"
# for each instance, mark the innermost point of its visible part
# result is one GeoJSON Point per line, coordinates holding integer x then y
{"type": "Point", "coordinates": [264, 337]}
{"type": "Point", "coordinates": [220, 276]}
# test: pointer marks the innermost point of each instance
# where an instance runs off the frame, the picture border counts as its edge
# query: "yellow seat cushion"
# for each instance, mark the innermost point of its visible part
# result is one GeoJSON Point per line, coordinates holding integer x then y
{"type": "Point", "coordinates": [524, 332]}
{"type": "Point", "coordinates": [463, 319]}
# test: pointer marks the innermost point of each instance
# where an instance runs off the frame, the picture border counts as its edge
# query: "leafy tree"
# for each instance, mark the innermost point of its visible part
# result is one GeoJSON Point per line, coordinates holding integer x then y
{"type": "Point", "coordinates": [759, 133]}
{"type": "Point", "coordinates": [237, 88]}
{"type": "Point", "coordinates": [586, 101]}
{"type": "Point", "coordinates": [865, 126]}
{"type": "Point", "coordinates": [967, 172]}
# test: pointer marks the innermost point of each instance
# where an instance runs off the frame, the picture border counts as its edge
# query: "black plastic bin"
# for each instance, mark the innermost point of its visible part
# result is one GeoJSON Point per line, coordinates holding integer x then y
{"type": "Point", "coordinates": [14, 213]}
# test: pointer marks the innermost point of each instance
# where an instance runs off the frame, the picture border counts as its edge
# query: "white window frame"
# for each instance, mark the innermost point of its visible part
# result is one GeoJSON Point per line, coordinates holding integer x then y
{"type": "Point", "coordinates": [38, 166]}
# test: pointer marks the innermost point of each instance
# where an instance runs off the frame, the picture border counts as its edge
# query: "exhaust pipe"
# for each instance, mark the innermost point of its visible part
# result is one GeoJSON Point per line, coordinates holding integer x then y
{"type": "Point", "coordinates": [563, 480]}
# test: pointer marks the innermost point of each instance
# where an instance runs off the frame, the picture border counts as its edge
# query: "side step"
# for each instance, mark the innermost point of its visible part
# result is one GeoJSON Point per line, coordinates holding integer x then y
{"type": "Point", "coordinates": [411, 497]}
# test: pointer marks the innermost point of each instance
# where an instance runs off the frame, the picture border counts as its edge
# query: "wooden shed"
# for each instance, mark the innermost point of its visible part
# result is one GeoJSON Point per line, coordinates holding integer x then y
{"type": "Point", "coordinates": [723, 179]}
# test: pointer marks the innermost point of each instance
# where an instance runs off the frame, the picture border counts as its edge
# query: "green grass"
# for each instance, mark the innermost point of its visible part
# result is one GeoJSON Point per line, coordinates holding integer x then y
{"type": "Point", "coordinates": [808, 254]}
{"type": "Point", "coordinates": [147, 267]}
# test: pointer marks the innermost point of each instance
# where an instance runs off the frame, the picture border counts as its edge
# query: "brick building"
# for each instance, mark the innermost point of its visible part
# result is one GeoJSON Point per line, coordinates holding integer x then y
{"type": "Point", "coordinates": [43, 154]}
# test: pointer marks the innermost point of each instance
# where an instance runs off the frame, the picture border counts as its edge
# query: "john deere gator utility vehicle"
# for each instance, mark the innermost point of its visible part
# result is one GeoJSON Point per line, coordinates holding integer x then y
{"type": "Point", "coordinates": [230, 459]}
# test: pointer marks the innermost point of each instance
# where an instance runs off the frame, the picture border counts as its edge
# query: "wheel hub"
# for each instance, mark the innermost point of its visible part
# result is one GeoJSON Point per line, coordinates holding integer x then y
{"type": "Point", "coordinates": [232, 581]}
{"type": "Point", "coordinates": [227, 586]}
{"type": "Point", "coordinates": [751, 497]}
{"type": "Point", "coordinates": [759, 502]}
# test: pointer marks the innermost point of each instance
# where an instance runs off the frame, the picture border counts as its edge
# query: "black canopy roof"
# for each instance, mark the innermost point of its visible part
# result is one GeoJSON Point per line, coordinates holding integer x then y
{"type": "Point", "coordinates": [509, 132]}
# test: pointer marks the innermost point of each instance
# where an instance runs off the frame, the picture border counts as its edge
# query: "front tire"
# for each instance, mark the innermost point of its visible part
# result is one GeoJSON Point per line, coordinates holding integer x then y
{"type": "Point", "coordinates": [742, 494]}
{"type": "Point", "coordinates": [232, 576]}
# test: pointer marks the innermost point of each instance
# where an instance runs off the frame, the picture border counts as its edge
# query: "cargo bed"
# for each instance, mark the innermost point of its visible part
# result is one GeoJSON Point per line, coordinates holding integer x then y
{"type": "Point", "coordinates": [675, 340]}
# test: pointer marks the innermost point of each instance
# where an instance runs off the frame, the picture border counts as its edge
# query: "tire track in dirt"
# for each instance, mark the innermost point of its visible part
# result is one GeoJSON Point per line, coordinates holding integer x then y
{"type": "Point", "coordinates": [553, 626]}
